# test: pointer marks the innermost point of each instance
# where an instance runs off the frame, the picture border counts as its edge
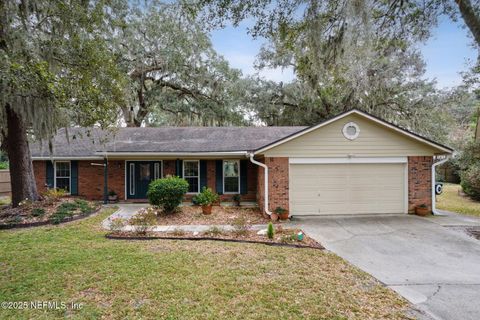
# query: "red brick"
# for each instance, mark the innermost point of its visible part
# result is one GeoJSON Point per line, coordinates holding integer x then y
{"type": "Point", "coordinates": [419, 182]}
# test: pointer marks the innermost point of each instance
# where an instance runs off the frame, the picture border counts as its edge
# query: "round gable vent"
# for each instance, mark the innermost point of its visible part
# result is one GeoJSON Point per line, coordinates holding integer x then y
{"type": "Point", "coordinates": [351, 131]}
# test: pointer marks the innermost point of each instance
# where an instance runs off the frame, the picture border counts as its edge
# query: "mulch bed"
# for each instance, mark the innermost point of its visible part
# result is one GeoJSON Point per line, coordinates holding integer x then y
{"type": "Point", "coordinates": [23, 217]}
{"type": "Point", "coordinates": [282, 237]}
{"type": "Point", "coordinates": [189, 215]}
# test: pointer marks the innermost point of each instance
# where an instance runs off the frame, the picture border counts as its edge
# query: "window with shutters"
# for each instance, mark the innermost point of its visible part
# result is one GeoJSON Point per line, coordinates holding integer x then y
{"type": "Point", "coordinates": [231, 176]}
{"type": "Point", "coordinates": [191, 173]}
{"type": "Point", "coordinates": [62, 175]}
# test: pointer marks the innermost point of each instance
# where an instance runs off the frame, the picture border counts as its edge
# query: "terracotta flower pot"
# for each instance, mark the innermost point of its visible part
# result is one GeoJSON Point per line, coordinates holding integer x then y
{"type": "Point", "coordinates": [422, 211]}
{"type": "Point", "coordinates": [283, 215]}
{"type": "Point", "coordinates": [207, 209]}
{"type": "Point", "coordinates": [112, 198]}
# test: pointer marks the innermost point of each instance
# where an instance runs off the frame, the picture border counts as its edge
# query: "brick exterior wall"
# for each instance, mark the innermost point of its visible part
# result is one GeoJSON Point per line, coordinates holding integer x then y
{"type": "Point", "coordinates": [40, 172]}
{"type": "Point", "coordinates": [278, 183]}
{"type": "Point", "coordinates": [419, 182]}
{"type": "Point", "coordinates": [90, 179]}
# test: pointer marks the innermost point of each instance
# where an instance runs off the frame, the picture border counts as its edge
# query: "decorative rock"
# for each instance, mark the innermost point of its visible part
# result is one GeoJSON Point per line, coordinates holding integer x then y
{"type": "Point", "coordinates": [262, 232]}
{"type": "Point", "coordinates": [195, 233]}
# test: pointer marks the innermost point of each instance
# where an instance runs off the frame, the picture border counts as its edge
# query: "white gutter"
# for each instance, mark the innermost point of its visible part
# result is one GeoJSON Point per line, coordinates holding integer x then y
{"type": "Point", "coordinates": [434, 165]}
{"type": "Point", "coordinates": [68, 158]}
{"type": "Point", "coordinates": [265, 168]}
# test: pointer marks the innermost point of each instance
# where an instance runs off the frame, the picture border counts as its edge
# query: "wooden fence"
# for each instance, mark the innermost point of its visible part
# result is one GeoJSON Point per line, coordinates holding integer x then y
{"type": "Point", "coordinates": [5, 188]}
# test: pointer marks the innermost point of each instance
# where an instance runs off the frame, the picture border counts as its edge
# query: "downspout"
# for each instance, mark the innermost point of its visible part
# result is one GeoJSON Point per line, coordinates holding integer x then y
{"type": "Point", "coordinates": [265, 168]}
{"type": "Point", "coordinates": [434, 165]}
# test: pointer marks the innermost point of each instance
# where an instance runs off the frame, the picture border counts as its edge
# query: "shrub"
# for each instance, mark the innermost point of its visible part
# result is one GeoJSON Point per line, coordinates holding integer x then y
{"type": "Point", "coordinates": [471, 181]}
{"type": "Point", "coordinates": [280, 210]}
{"type": "Point", "coordinates": [143, 220]}
{"type": "Point", "coordinates": [4, 165]}
{"type": "Point", "coordinates": [52, 195]}
{"type": "Point", "coordinates": [206, 197]}
{"type": "Point", "coordinates": [38, 212]}
{"type": "Point", "coordinates": [84, 206]}
{"type": "Point", "coordinates": [167, 193]}
{"type": "Point", "coordinates": [270, 231]}
{"type": "Point", "coordinates": [240, 226]}
{"type": "Point", "coordinates": [117, 224]}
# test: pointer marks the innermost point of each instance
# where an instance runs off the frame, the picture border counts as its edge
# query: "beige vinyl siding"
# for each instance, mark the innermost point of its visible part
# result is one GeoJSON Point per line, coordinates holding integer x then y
{"type": "Point", "coordinates": [335, 189]}
{"type": "Point", "coordinates": [375, 140]}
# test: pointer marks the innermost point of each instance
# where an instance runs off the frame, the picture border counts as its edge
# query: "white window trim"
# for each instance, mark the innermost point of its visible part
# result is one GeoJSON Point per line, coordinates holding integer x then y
{"type": "Point", "coordinates": [223, 177]}
{"type": "Point", "coordinates": [158, 172]}
{"type": "Point", "coordinates": [69, 177]}
{"type": "Point", "coordinates": [349, 136]}
{"type": "Point", "coordinates": [198, 177]}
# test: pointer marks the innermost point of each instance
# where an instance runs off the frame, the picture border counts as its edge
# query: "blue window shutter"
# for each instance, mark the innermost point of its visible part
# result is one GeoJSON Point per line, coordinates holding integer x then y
{"type": "Point", "coordinates": [203, 174]}
{"type": "Point", "coordinates": [243, 177]}
{"type": "Point", "coordinates": [219, 176]}
{"type": "Point", "coordinates": [179, 168]}
{"type": "Point", "coordinates": [50, 174]}
{"type": "Point", "coordinates": [74, 177]}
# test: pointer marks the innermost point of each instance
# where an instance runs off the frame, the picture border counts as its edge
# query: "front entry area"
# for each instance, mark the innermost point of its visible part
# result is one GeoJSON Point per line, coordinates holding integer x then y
{"type": "Point", "coordinates": [347, 188]}
{"type": "Point", "coordinates": [139, 174]}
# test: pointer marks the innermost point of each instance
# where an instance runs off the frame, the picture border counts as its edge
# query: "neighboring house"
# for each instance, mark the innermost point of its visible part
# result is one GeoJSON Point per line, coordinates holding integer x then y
{"type": "Point", "coordinates": [353, 163]}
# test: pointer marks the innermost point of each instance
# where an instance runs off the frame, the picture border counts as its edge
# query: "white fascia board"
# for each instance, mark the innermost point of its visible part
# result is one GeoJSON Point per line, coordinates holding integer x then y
{"type": "Point", "coordinates": [174, 154]}
{"type": "Point", "coordinates": [347, 160]}
{"type": "Point", "coordinates": [301, 133]}
{"type": "Point", "coordinates": [68, 158]}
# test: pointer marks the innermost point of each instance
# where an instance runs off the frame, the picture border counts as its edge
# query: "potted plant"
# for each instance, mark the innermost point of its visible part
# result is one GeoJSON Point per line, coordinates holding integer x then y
{"type": "Point", "coordinates": [422, 210]}
{"type": "Point", "coordinates": [282, 213]}
{"type": "Point", "coordinates": [112, 196]}
{"type": "Point", "coordinates": [236, 200]}
{"type": "Point", "coordinates": [206, 198]}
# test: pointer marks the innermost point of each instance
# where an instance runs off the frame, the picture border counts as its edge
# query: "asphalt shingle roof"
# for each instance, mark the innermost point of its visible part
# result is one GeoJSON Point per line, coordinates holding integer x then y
{"type": "Point", "coordinates": [86, 141]}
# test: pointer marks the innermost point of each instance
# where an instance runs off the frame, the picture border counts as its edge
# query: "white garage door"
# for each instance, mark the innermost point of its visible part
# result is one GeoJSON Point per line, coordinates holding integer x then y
{"type": "Point", "coordinates": [330, 189]}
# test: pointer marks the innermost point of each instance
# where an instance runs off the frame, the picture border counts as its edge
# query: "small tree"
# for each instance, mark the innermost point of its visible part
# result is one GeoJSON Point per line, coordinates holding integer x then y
{"type": "Point", "coordinates": [270, 231]}
{"type": "Point", "coordinates": [167, 193]}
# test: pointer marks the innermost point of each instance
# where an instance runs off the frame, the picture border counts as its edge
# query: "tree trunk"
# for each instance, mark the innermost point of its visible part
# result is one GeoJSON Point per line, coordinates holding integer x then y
{"type": "Point", "coordinates": [21, 168]}
{"type": "Point", "coordinates": [471, 18]}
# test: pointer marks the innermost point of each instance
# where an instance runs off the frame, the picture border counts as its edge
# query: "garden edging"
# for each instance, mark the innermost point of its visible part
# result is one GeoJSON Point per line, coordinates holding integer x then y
{"type": "Point", "coordinates": [137, 238]}
{"type": "Point", "coordinates": [47, 222]}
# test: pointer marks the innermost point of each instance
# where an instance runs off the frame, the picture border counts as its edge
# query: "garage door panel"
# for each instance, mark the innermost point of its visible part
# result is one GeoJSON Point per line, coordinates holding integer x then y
{"type": "Point", "coordinates": [323, 189]}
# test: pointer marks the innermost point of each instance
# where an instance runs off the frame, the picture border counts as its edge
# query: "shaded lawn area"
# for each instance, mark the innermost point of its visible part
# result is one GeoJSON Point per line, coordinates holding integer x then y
{"type": "Point", "coordinates": [450, 200]}
{"type": "Point", "coordinates": [181, 279]}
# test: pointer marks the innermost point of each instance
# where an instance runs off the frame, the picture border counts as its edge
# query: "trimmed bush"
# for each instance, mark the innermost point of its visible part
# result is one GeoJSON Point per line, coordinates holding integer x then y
{"type": "Point", "coordinates": [471, 181]}
{"type": "Point", "coordinates": [167, 193]}
{"type": "Point", "coordinates": [38, 212]}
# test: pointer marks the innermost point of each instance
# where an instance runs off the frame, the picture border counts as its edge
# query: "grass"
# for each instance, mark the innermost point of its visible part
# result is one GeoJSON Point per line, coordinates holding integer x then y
{"type": "Point", "coordinates": [162, 279]}
{"type": "Point", "coordinates": [450, 200]}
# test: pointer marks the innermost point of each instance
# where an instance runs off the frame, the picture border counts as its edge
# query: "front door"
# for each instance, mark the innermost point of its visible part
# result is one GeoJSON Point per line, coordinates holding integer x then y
{"type": "Point", "coordinates": [139, 176]}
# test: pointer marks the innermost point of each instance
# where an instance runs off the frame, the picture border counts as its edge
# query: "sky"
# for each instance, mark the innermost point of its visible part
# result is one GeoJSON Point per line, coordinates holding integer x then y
{"type": "Point", "coordinates": [446, 53]}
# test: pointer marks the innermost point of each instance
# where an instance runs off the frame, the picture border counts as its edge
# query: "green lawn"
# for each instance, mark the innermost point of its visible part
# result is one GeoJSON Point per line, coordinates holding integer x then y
{"type": "Point", "coordinates": [450, 200]}
{"type": "Point", "coordinates": [181, 279]}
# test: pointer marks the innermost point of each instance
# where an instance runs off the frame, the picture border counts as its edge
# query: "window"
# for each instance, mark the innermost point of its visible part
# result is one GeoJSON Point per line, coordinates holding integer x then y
{"type": "Point", "coordinates": [351, 131]}
{"type": "Point", "coordinates": [231, 176]}
{"type": "Point", "coordinates": [62, 175]}
{"type": "Point", "coordinates": [156, 170]}
{"type": "Point", "coordinates": [191, 172]}
{"type": "Point", "coordinates": [132, 179]}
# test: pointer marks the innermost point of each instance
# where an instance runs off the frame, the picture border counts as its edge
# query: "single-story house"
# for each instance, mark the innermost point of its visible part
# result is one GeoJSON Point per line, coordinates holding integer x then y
{"type": "Point", "coordinates": [354, 163]}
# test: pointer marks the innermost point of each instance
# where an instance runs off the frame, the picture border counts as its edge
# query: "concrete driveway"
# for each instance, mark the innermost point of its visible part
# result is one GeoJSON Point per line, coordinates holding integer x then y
{"type": "Point", "coordinates": [426, 260]}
